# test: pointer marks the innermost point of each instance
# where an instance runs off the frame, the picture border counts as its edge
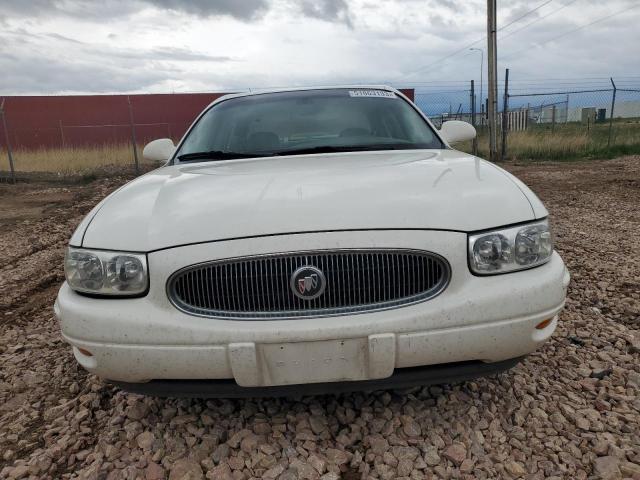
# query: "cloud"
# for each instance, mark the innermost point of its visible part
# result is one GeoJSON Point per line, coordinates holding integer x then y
{"type": "Point", "coordinates": [328, 10]}
{"type": "Point", "coordinates": [64, 38]}
{"type": "Point", "coordinates": [23, 75]}
{"type": "Point", "coordinates": [175, 54]}
{"type": "Point", "coordinates": [50, 62]}
{"type": "Point", "coordinates": [103, 10]}
{"type": "Point", "coordinates": [108, 10]}
{"type": "Point", "coordinates": [65, 46]}
{"type": "Point", "coordinates": [239, 9]}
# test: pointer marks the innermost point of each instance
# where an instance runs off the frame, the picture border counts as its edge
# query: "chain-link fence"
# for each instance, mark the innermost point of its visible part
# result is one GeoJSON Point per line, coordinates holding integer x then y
{"type": "Point", "coordinates": [540, 123]}
{"type": "Point", "coordinates": [80, 134]}
{"type": "Point", "coordinates": [576, 123]}
{"type": "Point", "coordinates": [444, 105]}
{"type": "Point", "coordinates": [545, 123]}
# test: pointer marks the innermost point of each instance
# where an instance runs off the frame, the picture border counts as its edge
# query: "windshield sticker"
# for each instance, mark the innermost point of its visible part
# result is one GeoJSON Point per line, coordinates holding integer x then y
{"type": "Point", "coordinates": [371, 93]}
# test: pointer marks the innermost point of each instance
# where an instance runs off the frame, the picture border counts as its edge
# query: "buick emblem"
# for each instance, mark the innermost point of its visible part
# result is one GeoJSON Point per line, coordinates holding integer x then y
{"type": "Point", "coordinates": [308, 282]}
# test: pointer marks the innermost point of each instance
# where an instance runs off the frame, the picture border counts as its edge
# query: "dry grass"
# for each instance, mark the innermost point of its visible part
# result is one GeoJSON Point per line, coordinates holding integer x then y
{"type": "Point", "coordinates": [567, 142]}
{"type": "Point", "coordinates": [72, 160]}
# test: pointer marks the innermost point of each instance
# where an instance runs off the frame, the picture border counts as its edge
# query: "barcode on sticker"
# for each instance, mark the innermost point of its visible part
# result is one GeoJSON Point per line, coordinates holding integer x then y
{"type": "Point", "coordinates": [371, 93]}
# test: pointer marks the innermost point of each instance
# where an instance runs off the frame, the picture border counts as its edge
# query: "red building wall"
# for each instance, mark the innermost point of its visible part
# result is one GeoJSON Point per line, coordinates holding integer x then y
{"type": "Point", "coordinates": [85, 120]}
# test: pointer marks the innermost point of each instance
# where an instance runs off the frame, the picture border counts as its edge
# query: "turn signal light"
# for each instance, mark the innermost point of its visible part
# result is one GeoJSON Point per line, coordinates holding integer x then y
{"type": "Point", "coordinates": [85, 352]}
{"type": "Point", "coordinates": [544, 323]}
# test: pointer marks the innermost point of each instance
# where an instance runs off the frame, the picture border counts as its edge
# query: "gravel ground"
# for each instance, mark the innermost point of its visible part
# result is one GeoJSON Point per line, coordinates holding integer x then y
{"type": "Point", "coordinates": [570, 410]}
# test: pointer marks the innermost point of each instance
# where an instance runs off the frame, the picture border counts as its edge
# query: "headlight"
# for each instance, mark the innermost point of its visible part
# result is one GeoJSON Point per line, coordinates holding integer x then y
{"type": "Point", "coordinates": [510, 249]}
{"type": "Point", "coordinates": [106, 273]}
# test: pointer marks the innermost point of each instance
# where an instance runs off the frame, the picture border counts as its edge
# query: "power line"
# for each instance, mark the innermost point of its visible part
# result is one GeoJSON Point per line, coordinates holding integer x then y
{"type": "Point", "coordinates": [512, 32]}
{"type": "Point", "coordinates": [477, 41]}
{"type": "Point", "coordinates": [568, 32]}
{"type": "Point", "coordinates": [525, 15]}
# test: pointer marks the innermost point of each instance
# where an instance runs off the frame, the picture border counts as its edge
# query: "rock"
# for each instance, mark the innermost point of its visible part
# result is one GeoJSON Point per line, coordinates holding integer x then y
{"type": "Point", "coordinates": [629, 469]}
{"type": "Point", "coordinates": [220, 453]}
{"type": "Point", "coordinates": [236, 438]}
{"type": "Point", "coordinates": [601, 448]}
{"type": "Point", "coordinates": [18, 472]}
{"type": "Point", "coordinates": [289, 474]}
{"type": "Point", "coordinates": [145, 440]}
{"type": "Point", "coordinates": [154, 472]}
{"type": "Point", "coordinates": [410, 427]}
{"type": "Point", "coordinates": [601, 373]}
{"type": "Point", "coordinates": [337, 457]}
{"type": "Point", "coordinates": [539, 413]}
{"type": "Point", "coordinates": [273, 473]}
{"type": "Point", "coordinates": [236, 463]}
{"type": "Point", "coordinates": [456, 452]}
{"type": "Point", "coordinates": [607, 468]}
{"type": "Point", "coordinates": [183, 420]}
{"type": "Point", "coordinates": [304, 470]}
{"type": "Point", "coordinates": [185, 469]}
{"type": "Point", "coordinates": [137, 411]}
{"type": "Point", "coordinates": [249, 443]}
{"type": "Point", "coordinates": [330, 476]}
{"type": "Point", "coordinates": [405, 467]}
{"type": "Point", "coordinates": [378, 444]}
{"type": "Point", "coordinates": [633, 379]}
{"type": "Point", "coordinates": [320, 464]}
{"type": "Point", "coordinates": [467, 466]}
{"type": "Point", "coordinates": [262, 428]}
{"type": "Point", "coordinates": [318, 424]}
{"type": "Point", "coordinates": [220, 472]}
{"type": "Point", "coordinates": [405, 453]}
{"type": "Point", "coordinates": [431, 456]}
{"type": "Point", "coordinates": [515, 468]}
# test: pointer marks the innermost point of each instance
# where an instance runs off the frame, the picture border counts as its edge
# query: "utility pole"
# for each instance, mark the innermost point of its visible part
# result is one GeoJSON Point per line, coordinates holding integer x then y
{"type": "Point", "coordinates": [492, 79]}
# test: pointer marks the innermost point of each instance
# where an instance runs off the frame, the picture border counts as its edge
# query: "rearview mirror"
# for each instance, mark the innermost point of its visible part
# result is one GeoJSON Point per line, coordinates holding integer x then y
{"type": "Point", "coordinates": [159, 151]}
{"type": "Point", "coordinates": [456, 131]}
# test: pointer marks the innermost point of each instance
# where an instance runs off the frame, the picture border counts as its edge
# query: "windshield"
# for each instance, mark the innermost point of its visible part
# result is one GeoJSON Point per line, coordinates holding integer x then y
{"type": "Point", "coordinates": [306, 122]}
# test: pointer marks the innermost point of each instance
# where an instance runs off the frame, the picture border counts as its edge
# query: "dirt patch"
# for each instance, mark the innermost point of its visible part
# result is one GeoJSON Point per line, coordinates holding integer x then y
{"type": "Point", "coordinates": [570, 410]}
{"type": "Point", "coordinates": [31, 203]}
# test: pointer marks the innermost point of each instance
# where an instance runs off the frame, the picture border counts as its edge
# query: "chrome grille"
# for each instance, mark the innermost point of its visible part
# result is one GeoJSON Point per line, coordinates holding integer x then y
{"type": "Point", "coordinates": [356, 281]}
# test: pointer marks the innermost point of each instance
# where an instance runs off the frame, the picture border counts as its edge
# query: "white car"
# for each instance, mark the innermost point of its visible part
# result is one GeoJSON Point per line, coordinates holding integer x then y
{"type": "Point", "coordinates": [310, 240]}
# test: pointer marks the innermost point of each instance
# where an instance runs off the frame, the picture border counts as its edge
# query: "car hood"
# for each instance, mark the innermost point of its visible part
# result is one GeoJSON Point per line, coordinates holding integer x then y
{"type": "Point", "coordinates": [209, 201]}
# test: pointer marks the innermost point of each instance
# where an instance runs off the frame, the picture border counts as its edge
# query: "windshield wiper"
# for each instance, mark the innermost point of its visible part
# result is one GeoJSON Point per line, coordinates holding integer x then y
{"type": "Point", "coordinates": [346, 148]}
{"type": "Point", "coordinates": [219, 155]}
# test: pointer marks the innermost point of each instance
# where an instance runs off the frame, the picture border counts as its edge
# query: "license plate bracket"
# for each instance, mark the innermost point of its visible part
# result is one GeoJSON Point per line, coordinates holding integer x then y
{"type": "Point", "coordinates": [314, 362]}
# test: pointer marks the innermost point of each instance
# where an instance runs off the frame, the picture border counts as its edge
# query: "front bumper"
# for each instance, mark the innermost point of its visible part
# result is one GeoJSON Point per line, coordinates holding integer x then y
{"type": "Point", "coordinates": [401, 378]}
{"type": "Point", "coordinates": [487, 319]}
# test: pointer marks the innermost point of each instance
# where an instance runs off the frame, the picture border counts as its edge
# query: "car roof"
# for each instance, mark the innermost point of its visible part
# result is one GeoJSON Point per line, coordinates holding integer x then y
{"type": "Point", "coordinates": [300, 89]}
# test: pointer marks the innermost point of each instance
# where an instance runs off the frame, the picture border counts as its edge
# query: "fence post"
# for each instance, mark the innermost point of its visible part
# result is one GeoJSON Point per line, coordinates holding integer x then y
{"type": "Point", "coordinates": [505, 113]}
{"type": "Point", "coordinates": [613, 105]}
{"type": "Point", "coordinates": [6, 137]}
{"type": "Point", "coordinates": [472, 99]}
{"type": "Point", "coordinates": [553, 118]}
{"type": "Point", "coordinates": [61, 133]}
{"type": "Point", "coordinates": [133, 136]}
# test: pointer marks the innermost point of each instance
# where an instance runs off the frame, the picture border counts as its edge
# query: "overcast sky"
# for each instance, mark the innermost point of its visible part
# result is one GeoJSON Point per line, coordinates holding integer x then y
{"type": "Point", "coordinates": [76, 46]}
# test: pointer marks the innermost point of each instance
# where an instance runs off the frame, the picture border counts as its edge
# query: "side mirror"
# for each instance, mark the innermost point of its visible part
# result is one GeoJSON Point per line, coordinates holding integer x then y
{"type": "Point", "coordinates": [159, 151]}
{"type": "Point", "coordinates": [456, 131]}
